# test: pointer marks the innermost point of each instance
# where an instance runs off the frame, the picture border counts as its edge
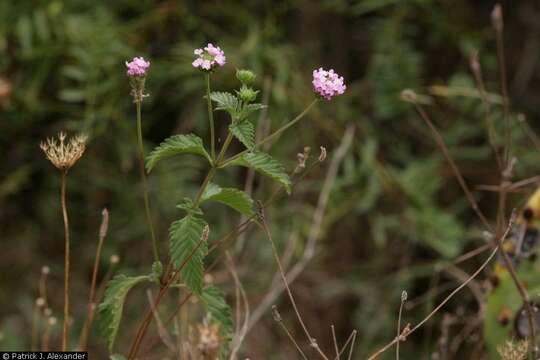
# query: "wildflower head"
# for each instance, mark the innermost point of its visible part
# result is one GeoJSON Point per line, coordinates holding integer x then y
{"type": "Point", "coordinates": [137, 67]}
{"type": "Point", "coordinates": [63, 153]}
{"type": "Point", "coordinates": [209, 57]}
{"type": "Point", "coordinates": [137, 70]}
{"type": "Point", "coordinates": [328, 83]}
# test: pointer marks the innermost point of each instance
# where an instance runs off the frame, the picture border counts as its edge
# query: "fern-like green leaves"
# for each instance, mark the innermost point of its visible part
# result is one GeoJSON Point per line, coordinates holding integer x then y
{"type": "Point", "coordinates": [213, 300]}
{"type": "Point", "coordinates": [176, 145]}
{"type": "Point", "coordinates": [188, 249]}
{"type": "Point", "coordinates": [110, 310]}
{"type": "Point", "coordinates": [234, 198]}
{"type": "Point", "coordinates": [266, 165]}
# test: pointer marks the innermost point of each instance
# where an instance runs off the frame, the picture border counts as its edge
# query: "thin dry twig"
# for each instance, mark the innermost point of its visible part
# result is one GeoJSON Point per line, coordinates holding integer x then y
{"type": "Point", "coordinates": [240, 292]}
{"type": "Point", "coordinates": [334, 339]}
{"type": "Point", "coordinates": [477, 72]}
{"type": "Point", "coordinates": [450, 296]}
{"type": "Point", "coordinates": [314, 234]}
{"type": "Point", "coordinates": [403, 300]}
{"type": "Point", "coordinates": [351, 339]}
{"type": "Point", "coordinates": [279, 320]}
{"type": "Point", "coordinates": [91, 297]}
{"type": "Point", "coordinates": [410, 96]}
{"type": "Point", "coordinates": [312, 341]}
{"type": "Point", "coordinates": [162, 331]}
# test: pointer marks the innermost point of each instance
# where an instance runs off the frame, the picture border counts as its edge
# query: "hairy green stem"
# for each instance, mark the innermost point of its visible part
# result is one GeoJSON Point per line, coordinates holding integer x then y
{"type": "Point", "coordinates": [145, 185]}
{"type": "Point", "coordinates": [274, 134]}
{"type": "Point", "coordinates": [210, 118]}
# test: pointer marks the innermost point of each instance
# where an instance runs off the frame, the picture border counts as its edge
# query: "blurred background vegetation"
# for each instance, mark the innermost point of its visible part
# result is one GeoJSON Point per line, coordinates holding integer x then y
{"type": "Point", "coordinates": [395, 213]}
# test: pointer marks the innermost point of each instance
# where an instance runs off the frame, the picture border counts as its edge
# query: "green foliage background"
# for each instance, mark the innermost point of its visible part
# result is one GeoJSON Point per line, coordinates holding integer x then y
{"type": "Point", "coordinates": [395, 215]}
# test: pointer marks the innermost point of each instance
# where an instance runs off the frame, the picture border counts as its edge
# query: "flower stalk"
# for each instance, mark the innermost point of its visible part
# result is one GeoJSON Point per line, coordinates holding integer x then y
{"type": "Point", "coordinates": [148, 213]}
{"type": "Point", "coordinates": [66, 260]}
{"type": "Point", "coordinates": [210, 118]}
{"type": "Point", "coordinates": [63, 155]}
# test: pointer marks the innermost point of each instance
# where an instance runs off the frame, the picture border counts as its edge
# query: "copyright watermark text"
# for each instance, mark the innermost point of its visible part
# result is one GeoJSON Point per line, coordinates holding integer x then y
{"type": "Point", "coordinates": [43, 355]}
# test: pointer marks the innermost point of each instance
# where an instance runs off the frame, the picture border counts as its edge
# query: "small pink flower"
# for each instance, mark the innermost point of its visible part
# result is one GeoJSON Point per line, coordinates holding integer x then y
{"type": "Point", "coordinates": [209, 57]}
{"type": "Point", "coordinates": [328, 83]}
{"type": "Point", "coordinates": [137, 67]}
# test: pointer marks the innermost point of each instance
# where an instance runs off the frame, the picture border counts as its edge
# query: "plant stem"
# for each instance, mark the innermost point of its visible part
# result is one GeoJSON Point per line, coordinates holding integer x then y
{"type": "Point", "coordinates": [66, 260]}
{"type": "Point", "coordinates": [312, 341]}
{"type": "Point", "coordinates": [92, 296]}
{"type": "Point", "coordinates": [377, 354]}
{"type": "Point", "coordinates": [274, 134]}
{"type": "Point", "coordinates": [146, 322]}
{"type": "Point", "coordinates": [442, 146]}
{"type": "Point", "coordinates": [145, 185]}
{"type": "Point", "coordinates": [210, 118]}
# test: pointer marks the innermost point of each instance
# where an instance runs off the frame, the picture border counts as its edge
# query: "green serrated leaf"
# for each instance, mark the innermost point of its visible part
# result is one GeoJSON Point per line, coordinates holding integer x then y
{"type": "Point", "coordinates": [187, 250]}
{"type": "Point", "coordinates": [110, 310]}
{"type": "Point", "coordinates": [188, 206]}
{"type": "Point", "coordinates": [248, 109]}
{"type": "Point", "coordinates": [226, 102]}
{"type": "Point", "coordinates": [176, 145]}
{"type": "Point", "coordinates": [234, 198]}
{"type": "Point", "coordinates": [213, 300]}
{"type": "Point", "coordinates": [266, 165]}
{"type": "Point", "coordinates": [244, 131]}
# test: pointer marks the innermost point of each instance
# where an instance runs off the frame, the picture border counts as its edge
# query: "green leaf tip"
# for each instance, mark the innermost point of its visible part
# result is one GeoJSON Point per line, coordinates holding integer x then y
{"type": "Point", "coordinates": [265, 165]}
{"type": "Point", "coordinates": [177, 145]}
{"type": "Point", "coordinates": [234, 198]}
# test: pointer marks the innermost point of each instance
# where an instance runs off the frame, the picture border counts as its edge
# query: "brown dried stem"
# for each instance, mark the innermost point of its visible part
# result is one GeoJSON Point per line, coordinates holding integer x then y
{"type": "Point", "coordinates": [450, 296]}
{"type": "Point", "coordinates": [91, 297]}
{"type": "Point", "coordinates": [66, 260]}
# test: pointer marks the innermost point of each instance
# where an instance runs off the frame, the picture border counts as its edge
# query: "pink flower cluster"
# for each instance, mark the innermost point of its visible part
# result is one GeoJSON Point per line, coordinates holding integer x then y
{"type": "Point", "coordinates": [137, 67]}
{"type": "Point", "coordinates": [328, 83]}
{"type": "Point", "coordinates": [209, 57]}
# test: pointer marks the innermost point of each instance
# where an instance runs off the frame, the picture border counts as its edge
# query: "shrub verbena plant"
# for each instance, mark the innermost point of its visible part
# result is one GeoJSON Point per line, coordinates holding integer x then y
{"type": "Point", "coordinates": [189, 236]}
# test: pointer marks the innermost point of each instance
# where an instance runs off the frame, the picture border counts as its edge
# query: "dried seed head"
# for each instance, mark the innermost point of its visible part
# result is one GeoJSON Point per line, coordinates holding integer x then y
{"type": "Point", "coordinates": [322, 156]}
{"type": "Point", "coordinates": [114, 259]}
{"type": "Point", "coordinates": [276, 314]}
{"type": "Point", "coordinates": [47, 312]}
{"type": "Point", "coordinates": [40, 302]}
{"type": "Point", "coordinates": [45, 270]}
{"type": "Point", "coordinates": [403, 296]}
{"type": "Point", "coordinates": [302, 158]}
{"type": "Point", "coordinates": [62, 153]}
{"type": "Point", "coordinates": [209, 339]}
{"type": "Point", "coordinates": [497, 18]}
{"type": "Point", "coordinates": [52, 321]}
{"type": "Point", "coordinates": [409, 95]}
{"type": "Point", "coordinates": [104, 223]}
